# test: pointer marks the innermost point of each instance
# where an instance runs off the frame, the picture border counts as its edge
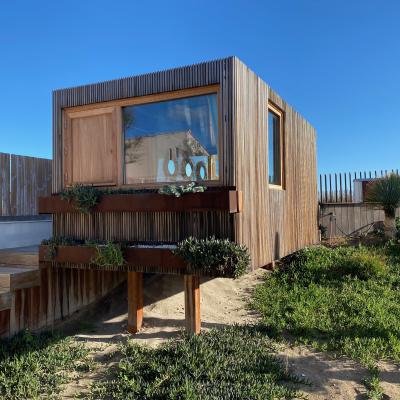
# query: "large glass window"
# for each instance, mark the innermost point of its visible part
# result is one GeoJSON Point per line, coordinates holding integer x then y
{"type": "Point", "coordinates": [274, 146]}
{"type": "Point", "coordinates": [172, 141]}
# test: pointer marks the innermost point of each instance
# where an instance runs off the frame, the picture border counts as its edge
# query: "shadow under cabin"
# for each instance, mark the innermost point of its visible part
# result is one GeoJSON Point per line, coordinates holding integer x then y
{"type": "Point", "coordinates": [217, 124]}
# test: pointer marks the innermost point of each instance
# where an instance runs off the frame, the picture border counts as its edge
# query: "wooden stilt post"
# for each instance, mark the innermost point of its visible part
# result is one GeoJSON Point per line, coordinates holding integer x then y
{"type": "Point", "coordinates": [192, 303]}
{"type": "Point", "coordinates": [135, 301]}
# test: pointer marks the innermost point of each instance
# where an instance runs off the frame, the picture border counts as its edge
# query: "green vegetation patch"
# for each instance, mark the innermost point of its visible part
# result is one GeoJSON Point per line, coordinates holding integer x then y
{"type": "Point", "coordinates": [34, 366]}
{"type": "Point", "coordinates": [179, 190]}
{"type": "Point", "coordinates": [215, 256]}
{"type": "Point", "coordinates": [109, 255]}
{"type": "Point", "coordinates": [345, 299]}
{"type": "Point", "coordinates": [84, 198]}
{"type": "Point", "coordinates": [232, 363]}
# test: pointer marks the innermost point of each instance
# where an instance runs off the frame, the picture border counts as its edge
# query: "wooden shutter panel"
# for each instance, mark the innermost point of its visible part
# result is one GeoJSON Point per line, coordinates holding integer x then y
{"type": "Point", "coordinates": [91, 147]}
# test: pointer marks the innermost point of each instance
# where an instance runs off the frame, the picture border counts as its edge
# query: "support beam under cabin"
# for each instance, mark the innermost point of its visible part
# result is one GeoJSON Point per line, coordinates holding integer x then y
{"type": "Point", "coordinates": [192, 303]}
{"type": "Point", "coordinates": [135, 301]}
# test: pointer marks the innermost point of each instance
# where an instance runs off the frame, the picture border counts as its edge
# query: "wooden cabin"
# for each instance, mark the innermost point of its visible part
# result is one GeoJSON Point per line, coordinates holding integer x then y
{"type": "Point", "coordinates": [216, 123]}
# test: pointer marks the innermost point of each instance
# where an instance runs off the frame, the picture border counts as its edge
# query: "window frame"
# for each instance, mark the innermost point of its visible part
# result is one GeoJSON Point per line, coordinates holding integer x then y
{"type": "Point", "coordinates": [154, 98]}
{"type": "Point", "coordinates": [280, 113]}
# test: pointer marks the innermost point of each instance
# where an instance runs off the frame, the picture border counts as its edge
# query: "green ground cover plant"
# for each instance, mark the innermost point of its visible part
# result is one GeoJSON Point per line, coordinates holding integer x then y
{"type": "Point", "coordinates": [231, 363]}
{"type": "Point", "coordinates": [35, 366]}
{"type": "Point", "coordinates": [345, 300]}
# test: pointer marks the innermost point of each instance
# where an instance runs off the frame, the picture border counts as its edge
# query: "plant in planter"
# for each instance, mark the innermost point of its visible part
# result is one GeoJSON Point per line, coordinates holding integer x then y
{"type": "Point", "coordinates": [52, 245]}
{"type": "Point", "coordinates": [214, 256]}
{"type": "Point", "coordinates": [84, 198]}
{"type": "Point", "coordinates": [179, 190]}
{"type": "Point", "coordinates": [108, 255]}
{"type": "Point", "coordinates": [385, 193]}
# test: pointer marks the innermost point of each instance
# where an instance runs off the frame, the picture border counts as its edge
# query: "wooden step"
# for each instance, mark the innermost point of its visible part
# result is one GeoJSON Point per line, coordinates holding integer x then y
{"type": "Point", "coordinates": [20, 256]}
{"type": "Point", "coordinates": [13, 277]}
{"type": "Point", "coordinates": [5, 299]}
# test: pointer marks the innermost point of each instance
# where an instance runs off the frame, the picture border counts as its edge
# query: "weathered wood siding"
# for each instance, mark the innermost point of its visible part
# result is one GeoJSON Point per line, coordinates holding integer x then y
{"type": "Point", "coordinates": [144, 226]}
{"type": "Point", "coordinates": [22, 181]}
{"type": "Point", "coordinates": [350, 219]}
{"type": "Point", "coordinates": [274, 222]}
{"type": "Point", "coordinates": [60, 294]}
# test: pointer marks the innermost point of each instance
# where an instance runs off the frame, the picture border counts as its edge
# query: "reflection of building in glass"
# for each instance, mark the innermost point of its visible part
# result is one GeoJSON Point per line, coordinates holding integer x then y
{"type": "Point", "coordinates": [168, 157]}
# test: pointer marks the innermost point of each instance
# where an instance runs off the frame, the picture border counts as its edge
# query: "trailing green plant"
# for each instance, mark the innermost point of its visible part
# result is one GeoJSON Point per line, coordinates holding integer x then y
{"type": "Point", "coordinates": [35, 366]}
{"type": "Point", "coordinates": [214, 256]}
{"type": "Point", "coordinates": [385, 192]}
{"type": "Point", "coordinates": [84, 198]}
{"type": "Point", "coordinates": [179, 190]}
{"type": "Point", "coordinates": [227, 364]}
{"type": "Point", "coordinates": [108, 255]}
{"type": "Point", "coordinates": [52, 245]}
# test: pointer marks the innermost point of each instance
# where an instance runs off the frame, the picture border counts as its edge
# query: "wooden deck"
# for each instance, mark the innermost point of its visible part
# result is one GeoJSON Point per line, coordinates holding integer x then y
{"type": "Point", "coordinates": [34, 297]}
{"type": "Point", "coordinates": [28, 256]}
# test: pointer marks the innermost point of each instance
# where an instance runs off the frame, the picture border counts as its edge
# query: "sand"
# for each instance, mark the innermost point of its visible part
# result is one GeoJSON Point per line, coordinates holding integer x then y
{"type": "Point", "coordinates": [223, 302]}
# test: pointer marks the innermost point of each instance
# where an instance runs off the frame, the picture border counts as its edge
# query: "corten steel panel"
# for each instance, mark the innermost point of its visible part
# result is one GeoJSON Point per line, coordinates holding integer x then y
{"type": "Point", "coordinates": [223, 200]}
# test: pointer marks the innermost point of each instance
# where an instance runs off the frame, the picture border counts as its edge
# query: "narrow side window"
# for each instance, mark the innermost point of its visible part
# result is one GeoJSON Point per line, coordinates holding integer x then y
{"type": "Point", "coordinates": [275, 146]}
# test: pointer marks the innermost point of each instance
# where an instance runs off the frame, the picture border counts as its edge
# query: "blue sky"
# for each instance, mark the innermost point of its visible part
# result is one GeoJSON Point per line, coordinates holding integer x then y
{"type": "Point", "coordinates": [337, 62]}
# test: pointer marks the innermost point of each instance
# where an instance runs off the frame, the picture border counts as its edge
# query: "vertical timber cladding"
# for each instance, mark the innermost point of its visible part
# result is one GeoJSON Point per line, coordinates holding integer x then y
{"type": "Point", "coordinates": [274, 222]}
{"type": "Point", "coordinates": [168, 226]}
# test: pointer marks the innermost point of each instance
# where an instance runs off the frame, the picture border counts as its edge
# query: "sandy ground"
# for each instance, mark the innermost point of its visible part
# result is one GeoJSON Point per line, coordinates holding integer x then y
{"type": "Point", "coordinates": [223, 302]}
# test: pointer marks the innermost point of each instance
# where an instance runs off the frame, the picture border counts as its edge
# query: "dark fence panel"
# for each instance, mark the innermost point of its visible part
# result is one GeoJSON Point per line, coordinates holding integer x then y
{"type": "Point", "coordinates": [22, 181]}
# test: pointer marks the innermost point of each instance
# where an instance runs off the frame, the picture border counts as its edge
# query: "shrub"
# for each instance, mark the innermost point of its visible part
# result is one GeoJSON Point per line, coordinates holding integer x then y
{"type": "Point", "coordinates": [320, 263]}
{"type": "Point", "coordinates": [214, 256]}
{"type": "Point", "coordinates": [84, 198]}
{"type": "Point", "coordinates": [108, 255]}
{"type": "Point", "coordinates": [385, 192]}
{"type": "Point", "coordinates": [362, 264]}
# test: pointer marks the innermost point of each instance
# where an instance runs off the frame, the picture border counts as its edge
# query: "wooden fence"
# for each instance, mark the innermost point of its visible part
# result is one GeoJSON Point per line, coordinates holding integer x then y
{"type": "Point", "coordinates": [339, 187]}
{"type": "Point", "coordinates": [350, 219]}
{"type": "Point", "coordinates": [22, 181]}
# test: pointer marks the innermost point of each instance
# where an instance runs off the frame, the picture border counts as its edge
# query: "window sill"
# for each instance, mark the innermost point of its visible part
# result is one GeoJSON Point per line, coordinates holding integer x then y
{"type": "Point", "coordinates": [275, 187]}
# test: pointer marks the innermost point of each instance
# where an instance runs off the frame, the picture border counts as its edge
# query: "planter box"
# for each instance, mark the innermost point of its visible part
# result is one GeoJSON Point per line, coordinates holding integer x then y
{"type": "Point", "coordinates": [223, 200]}
{"type": "Point", "coordinates": [139, 259]}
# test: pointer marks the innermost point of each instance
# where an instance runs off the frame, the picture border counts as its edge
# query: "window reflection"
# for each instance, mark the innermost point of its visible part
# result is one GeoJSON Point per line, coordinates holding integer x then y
{"type": "Point", "coordinates": [174, 140]}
